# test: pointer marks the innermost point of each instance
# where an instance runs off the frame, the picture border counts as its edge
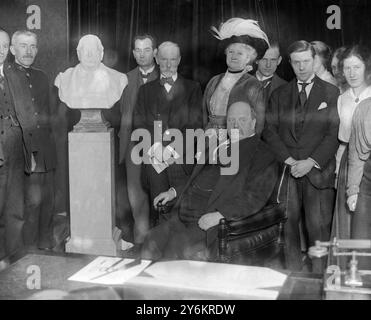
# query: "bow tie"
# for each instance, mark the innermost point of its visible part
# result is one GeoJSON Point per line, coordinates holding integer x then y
{"type": "Point", "coordinates": [168, 80]}
{"type": "Point", "coordinates": [145, 76]}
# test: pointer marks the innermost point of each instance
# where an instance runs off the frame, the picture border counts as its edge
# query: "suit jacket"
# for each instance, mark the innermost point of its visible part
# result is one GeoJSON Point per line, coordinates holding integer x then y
{"type": "Point", "coordinates": [319, 135]}
{"type": "Point", "coordinates": [24, 109]}
{"type": "Point", "coordinates": [128, 102]}
{"type": "Point", "coordinates": [180, 108]}
{"type": "Point", "coordinates": [273, 85]}
{"type": "Point", "coordinates": [41, 134]}
{"type": "Point", "coordinates": [247, 88]}
{"type": "Point", "coordinates": [253, 184]}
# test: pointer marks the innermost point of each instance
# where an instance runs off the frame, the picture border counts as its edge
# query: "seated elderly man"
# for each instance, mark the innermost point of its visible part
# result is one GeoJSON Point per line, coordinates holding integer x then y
{"type": "Point", "coordinates": [209, 195]}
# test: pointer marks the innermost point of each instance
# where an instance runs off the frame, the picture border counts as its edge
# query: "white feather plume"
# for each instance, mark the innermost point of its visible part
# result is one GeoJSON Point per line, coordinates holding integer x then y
{"type": "Point", "coordinates": [239, 27]}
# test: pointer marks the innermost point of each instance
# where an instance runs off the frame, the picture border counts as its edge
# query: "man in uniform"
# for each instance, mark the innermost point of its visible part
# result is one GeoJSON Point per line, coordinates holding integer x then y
{"type": "Point", "coordinates": [39, 179]}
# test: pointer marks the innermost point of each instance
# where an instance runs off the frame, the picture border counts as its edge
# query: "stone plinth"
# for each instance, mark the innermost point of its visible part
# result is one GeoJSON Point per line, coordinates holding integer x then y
{"type": "Point", "coordinates": [92, 120]}
{"type": "Point", "coordinates": [92, 193]}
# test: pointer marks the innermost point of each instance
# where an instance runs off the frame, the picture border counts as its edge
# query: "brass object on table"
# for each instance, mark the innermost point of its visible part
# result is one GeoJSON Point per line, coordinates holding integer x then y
{"type": "Point", "coordinates": [341, 282]}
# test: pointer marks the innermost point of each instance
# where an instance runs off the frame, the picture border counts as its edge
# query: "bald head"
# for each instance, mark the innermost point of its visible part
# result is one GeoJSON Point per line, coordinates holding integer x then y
{"type": "Point", "coordinates": [241, 117]}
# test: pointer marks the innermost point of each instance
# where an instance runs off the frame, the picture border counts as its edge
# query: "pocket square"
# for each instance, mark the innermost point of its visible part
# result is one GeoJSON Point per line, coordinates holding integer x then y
{"type": "Point", "coordinates": [323, 105]}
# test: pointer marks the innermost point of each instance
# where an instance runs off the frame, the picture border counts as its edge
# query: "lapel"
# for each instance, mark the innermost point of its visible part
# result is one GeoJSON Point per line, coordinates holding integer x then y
{"type": "Point", "coordinates": [314, 100]}
{"type": "Point", "coordinates": [273, 85]}
{"type": "Point", "coordinates": [215, 82]}
{"type": "Point", "coordinates": [247, 150]}
{"type": "Point", "coordinates": [291, 104]}
{"type": "Point", "coordinates": [139, 79]}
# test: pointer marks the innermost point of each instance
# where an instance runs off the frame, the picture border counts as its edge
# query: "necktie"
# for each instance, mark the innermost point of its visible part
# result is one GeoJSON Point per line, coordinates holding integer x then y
{"type": "Point", "coordinates": [265, 83]}
{"type": "Point", "coordinates": [168, 80]}
{"type": "Point", "coordinates": [145, 76]}
{"type": "Point", "coordinates": [302, 94]}
{"type": "Point", "coordinates": [2, 81]}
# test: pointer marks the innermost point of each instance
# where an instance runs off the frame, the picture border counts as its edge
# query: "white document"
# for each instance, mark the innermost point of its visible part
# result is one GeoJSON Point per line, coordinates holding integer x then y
{"type": "Point", "coordinates": [109, 271]}
{"type": "Point", "coordinates": [247, 282]}
{"type": "Point", "coordinates": [159, 156]}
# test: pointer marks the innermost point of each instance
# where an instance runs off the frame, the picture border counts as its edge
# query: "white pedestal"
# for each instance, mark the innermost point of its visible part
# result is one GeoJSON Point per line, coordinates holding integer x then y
{"type": "Point", "coordinates": [92, 194]}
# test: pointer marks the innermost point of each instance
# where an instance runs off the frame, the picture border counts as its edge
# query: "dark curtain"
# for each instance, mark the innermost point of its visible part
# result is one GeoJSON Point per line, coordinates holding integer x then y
{"type": "Point", "coordinates": [188, 22]}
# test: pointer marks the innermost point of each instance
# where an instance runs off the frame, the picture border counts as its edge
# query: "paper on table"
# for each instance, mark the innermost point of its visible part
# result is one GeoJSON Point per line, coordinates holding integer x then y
{"type": "Point", "coordinates": [246, 281]}
{"type": "Point", "coordinates": [95, 272]}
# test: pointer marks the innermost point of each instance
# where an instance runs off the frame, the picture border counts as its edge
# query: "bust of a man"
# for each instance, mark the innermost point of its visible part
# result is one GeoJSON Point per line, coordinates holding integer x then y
{"type": "Point", "coordinates": [90, 84]}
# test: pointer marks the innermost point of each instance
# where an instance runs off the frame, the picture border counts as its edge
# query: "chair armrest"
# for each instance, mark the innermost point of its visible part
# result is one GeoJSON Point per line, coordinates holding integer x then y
{"type": "Point", "coordinates": [269, 216]}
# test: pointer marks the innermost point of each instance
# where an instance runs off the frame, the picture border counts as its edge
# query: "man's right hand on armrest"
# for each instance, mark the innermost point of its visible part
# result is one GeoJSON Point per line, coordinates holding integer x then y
{"type": "Point", "coordinates": [164, 197]}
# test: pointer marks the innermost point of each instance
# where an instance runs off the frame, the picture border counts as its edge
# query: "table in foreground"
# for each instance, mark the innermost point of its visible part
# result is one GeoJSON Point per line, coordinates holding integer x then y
{"type": "Point", "coordinates": [20, 279]}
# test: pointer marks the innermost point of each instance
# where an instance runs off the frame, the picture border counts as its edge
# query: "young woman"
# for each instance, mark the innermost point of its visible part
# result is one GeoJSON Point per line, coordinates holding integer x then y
{"type": "Point", "coordinates": [359, 176]}
{"type": "Point", "coordinates": [355, 67]}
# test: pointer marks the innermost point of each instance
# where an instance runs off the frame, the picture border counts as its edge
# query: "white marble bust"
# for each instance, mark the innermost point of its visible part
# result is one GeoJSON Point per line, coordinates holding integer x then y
{"type": "Point", "coordinates": [90, 84]}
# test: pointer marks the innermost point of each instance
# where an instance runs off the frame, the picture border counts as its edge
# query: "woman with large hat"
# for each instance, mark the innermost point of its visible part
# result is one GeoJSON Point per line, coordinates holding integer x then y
{"type": "Point", "coordinates": [244, 42]}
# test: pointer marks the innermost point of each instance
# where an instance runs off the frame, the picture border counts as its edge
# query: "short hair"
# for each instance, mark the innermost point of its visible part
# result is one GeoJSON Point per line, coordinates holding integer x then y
{"type": "Point", "coordinates": [323, 51]}
{"type": "Point", "coordinates": [301, 46]}
{"type": "Point", "coordinates": [23, 33]}
{"type": "Point", "coordinates": [168, 44]}
{"type": "Point", "coordinates": [363, 53]}
{"type": "Point", "coordinates": [90, 37]}
{"type": "Point", "coordinates": [145, 36]}
{"type": "Point", "coordinates": [275, 45]}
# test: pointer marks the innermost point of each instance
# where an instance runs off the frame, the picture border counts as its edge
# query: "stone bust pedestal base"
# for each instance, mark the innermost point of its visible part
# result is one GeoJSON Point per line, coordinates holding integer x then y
{"type": "Point", "coordinates": [92, 120]}
{"type": "Point", "coordinates": [92, 188]}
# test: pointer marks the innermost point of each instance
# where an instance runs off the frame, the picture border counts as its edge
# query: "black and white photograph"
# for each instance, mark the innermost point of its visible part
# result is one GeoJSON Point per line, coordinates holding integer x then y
{"type": "Point", "coordinates": [201, 151]}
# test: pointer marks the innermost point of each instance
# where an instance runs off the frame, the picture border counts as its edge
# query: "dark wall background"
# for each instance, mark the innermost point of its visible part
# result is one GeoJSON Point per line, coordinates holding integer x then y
{"type": "Point", "coordinates": [188, 22]}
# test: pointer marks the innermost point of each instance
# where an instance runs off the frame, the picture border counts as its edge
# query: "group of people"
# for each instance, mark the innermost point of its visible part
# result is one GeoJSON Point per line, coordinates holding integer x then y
{"type": "Point", "coordinates": [27, 149]}
{"type": "Point", "coordinates": [305, 124]}
{"type": "Point", "coordinates": [316, 125]}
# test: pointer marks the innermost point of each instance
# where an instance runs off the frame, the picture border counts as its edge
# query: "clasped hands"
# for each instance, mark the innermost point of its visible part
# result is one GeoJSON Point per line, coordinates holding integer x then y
{"type": "Point", "coordinates": [299, 168]}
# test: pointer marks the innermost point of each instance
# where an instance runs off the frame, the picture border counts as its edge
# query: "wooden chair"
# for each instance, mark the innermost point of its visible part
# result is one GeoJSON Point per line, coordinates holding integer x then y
{"type": "Point", "coordinates": [257, 239]}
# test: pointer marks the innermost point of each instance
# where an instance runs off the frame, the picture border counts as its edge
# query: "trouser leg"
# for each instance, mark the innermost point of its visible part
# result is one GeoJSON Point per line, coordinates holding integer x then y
{"type": "Point", "coordinates": [47, 210]}
{"type": "Point", "coordinates": [318, 211]}
{"type": "Point", "coordinates": [292, 231]}
{"type": "Point", "coordinates": [138, 199]}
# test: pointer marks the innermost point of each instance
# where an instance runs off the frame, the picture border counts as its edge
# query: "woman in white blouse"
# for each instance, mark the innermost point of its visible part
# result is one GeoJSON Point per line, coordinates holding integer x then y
{"type": "Point", "coordinates": [355, 66]}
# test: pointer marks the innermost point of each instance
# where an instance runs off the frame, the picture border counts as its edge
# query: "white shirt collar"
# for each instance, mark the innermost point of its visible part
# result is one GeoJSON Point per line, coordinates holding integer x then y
{"type": "Point", "coordinates": [2, 70]}
{"type": "Point", "coordinates": [261, 77]}
{"type": "Point", "coordinates": [148, 71]}
{"type": "Point", "coordinates": [174, 76]}
{"type": "Point", "coordinates": [308, 81]}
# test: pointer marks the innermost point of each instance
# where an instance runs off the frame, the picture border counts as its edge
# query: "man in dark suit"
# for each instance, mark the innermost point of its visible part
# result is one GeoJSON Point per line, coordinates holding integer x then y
{"type": "Point", "coordinates": [208, 195]}
{"type": "Point", "coordinates": [302, 127]}
{"type": "Point", "coordinates": [16, 124]}
{"type": "Point", "coordinates": [177, 103]}
{"type": "Point", "coordinates": [144, 53]}
{"type": "Point", "coordinates": [39, 179]}
{"type": "Point", "coordinates": [266, 72]}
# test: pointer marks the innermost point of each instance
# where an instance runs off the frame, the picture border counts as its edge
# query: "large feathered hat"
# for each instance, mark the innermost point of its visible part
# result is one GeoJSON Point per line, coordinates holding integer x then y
{"type": "Point", "coordinates": [247, 31]}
